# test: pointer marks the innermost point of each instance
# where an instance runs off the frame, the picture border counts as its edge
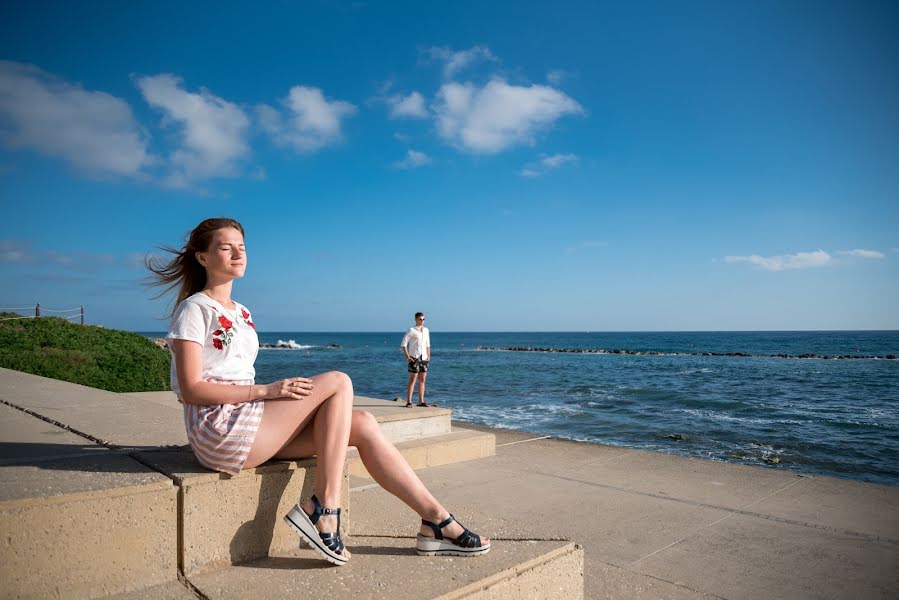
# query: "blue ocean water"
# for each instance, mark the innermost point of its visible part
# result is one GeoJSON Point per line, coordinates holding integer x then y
{"type": "Point", "coordinates": [816, 416]}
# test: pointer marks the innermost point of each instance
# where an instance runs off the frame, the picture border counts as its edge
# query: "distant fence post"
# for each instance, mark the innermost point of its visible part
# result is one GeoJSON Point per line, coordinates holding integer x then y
{"type": "Point", "coordinates": [37, 310]}
{"type": "Point", "coordinates": [82, 314]}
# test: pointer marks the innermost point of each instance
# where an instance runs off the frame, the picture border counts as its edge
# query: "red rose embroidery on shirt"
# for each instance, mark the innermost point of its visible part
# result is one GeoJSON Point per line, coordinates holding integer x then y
{"type": "Point", "coordinates": [222, 337]}
{"type": "Point", "coordinates": [246, 317]}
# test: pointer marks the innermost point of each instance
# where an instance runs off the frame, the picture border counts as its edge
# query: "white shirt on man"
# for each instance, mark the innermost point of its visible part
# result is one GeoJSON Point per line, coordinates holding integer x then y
{"type": "Point", "coordinates": [417, 343]}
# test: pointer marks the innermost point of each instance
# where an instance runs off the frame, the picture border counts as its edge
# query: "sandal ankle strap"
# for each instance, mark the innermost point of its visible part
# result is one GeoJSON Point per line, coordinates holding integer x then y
{"type": "Point", "coordinates": [438, 534]}
{"type": "Point", "coordinates": [320, 510]}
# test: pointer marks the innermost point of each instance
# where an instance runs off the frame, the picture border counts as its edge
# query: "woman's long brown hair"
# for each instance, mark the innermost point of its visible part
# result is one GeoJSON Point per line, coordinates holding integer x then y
{"type": "Point", "coordinates": [183, 271]}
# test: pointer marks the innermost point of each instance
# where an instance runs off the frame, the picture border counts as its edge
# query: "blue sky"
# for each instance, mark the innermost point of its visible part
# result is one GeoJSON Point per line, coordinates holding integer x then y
{"type": "Point", "coordinates": [501, 166]}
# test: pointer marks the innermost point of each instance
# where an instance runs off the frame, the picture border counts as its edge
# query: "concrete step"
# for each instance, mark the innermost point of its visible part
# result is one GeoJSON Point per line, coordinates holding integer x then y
{"type": "Point", "coordinates": [388, 568]}
{"type": "Point", "coordinates": [76, 519]}
{"type": "Point", "coordinates": [401, 424]}
{"type": "Point", "coordinates": [456, 446]}
{"type": "Point", "coordinates": [225, 520]}
{"type": "Point", "coordinates": [60, 441]}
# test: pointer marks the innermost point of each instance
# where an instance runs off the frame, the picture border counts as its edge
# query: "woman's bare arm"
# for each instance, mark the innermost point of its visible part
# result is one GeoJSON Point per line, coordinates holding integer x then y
{"type": "Point", "coordinates": [189, 367]}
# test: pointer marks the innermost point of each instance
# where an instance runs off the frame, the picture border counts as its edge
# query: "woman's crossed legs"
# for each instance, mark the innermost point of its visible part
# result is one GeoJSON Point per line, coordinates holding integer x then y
{"type": "Point", "coordinates": [323, 425]}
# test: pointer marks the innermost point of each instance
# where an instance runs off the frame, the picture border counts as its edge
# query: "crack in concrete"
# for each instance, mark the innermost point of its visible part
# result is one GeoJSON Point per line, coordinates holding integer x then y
{"type": "Point", "coordinates": [86, 436]}
{"type": "Point", "coordinates": [191, 587]}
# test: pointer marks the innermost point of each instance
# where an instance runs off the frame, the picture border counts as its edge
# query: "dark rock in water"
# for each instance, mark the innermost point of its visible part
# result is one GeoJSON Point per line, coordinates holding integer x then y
{"type": "Point", "coordinates": [677, 436]}
{"type": "Point", "coordinates": [740, 456]}
{"type": "Point", "coordinates": [890, 357]}
{"type": "Point", "coordinates": [334, 346]}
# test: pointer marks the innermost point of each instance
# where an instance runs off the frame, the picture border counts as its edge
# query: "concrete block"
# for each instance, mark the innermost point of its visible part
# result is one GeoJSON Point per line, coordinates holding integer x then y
{"type": "Point", "coordinates": [74, 528]}
{"type": "Point", "coordinates": [96, 412]}
{"type": "Point", "coordinates": [172, 590]}
{"type": "Point", "coordinates": [25, 438]}
{"type": "Point", "coordinates": [227, 520]}
{"type": "Point", "coordinates": [556, 574]}
{"type": "Point", "coordinates": [388, 568]}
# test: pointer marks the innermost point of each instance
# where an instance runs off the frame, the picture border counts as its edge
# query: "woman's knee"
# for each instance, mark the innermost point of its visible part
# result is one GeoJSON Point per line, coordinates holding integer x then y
{"type": "Point", "coordinates": [341, 380]}
{"type": "Point", "coordinates": [335, 382]}
{"type": "Point", "coordinates": [364, 425]}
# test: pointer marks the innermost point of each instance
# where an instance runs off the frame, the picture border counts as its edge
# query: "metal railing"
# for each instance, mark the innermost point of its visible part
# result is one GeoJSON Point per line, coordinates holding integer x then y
{"type": "Point", "coordinates": [66, 313]}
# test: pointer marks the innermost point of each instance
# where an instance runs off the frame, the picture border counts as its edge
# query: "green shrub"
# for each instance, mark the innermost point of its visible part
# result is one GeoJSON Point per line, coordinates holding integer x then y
{"type": "Point", "coordinates": [109, 359]}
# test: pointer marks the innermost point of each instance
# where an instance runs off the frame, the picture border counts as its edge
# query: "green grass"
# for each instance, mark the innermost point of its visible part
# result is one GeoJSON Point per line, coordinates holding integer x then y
{"type": "Point", "coordinates": [109, 359]}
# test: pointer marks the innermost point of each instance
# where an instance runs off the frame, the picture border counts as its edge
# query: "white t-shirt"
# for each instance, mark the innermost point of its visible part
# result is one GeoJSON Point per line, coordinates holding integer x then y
{"type": "Point", "coordinates": [228, 337]}
{"type": "Point", "coordinates": [418, 342]}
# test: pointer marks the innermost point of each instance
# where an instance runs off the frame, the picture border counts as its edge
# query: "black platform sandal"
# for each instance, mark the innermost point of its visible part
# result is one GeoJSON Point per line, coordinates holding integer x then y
{"type": "Point", "coordinates": [467, 544]}
{"type": "Point", "coordinates": [328, 545]}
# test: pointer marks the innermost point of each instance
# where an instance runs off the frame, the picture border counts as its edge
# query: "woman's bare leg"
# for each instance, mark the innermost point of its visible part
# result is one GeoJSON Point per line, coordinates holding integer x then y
{"type": "Point", "coordinates": [328, 409]}
{"type": "Point", "coordinates": [386, 466]}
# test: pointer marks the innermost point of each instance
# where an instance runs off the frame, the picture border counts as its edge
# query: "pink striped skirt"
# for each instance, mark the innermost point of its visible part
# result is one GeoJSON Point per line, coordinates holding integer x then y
{"type": "Point", "coordinates": [221, 435]}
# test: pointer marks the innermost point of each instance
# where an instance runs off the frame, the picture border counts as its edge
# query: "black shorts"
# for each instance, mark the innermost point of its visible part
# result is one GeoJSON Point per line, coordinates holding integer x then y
{"type": "Point", "coordinates": [417, 365]}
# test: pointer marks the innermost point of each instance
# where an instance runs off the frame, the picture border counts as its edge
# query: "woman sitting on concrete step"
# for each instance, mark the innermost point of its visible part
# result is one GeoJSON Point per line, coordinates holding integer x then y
{"type": "Point", "coordinates": [233, 423]}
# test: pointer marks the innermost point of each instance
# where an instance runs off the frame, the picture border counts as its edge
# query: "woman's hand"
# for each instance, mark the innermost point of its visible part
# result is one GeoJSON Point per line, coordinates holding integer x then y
{"type": "Point", "coordinates": [295, 388]}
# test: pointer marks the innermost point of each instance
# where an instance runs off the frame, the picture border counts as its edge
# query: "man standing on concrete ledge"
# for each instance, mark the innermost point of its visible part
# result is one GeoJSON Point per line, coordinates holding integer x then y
{"type": "Point", "coordinates": [416, 345]}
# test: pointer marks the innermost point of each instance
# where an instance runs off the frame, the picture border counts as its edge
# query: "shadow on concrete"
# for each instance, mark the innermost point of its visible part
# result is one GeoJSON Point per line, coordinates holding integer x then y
{"type": "Point", "coordinates": [254, 538]}
{"type": "Point", "coordinates": [383, 550]}
{"type": "Point", "coordinates": [88, 457]}
{"type": "Point", "coordinates": [290, 563]}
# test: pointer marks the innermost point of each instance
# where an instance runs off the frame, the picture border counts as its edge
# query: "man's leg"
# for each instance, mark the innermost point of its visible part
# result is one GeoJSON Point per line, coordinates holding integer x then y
{"type": "Point", "coordinates": [410, 387]}
{"type": "Point", "coordinates": [421, 387]}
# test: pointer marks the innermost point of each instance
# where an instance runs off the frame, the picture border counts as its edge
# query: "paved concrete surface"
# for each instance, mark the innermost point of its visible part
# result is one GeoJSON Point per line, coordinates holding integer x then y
{"type": "Point", "coordinates": [660, 526]}
{"type": "Point", "coordinates": [388, 568]}
{"type": "Point", "coordinates": [651, 525]}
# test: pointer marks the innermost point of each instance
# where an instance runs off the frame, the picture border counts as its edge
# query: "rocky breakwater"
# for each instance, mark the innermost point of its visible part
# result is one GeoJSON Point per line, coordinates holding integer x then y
{"type": "Point", "coordinates": [656, 353]}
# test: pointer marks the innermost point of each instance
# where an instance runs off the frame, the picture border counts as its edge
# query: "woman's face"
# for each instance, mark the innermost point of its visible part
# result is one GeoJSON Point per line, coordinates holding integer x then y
{"type": "Point", "coordinates": [226, 257]}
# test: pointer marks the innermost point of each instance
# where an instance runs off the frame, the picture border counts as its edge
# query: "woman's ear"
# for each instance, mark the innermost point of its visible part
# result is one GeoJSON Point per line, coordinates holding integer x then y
{"type": "Point", "coordinates": [201, 258]}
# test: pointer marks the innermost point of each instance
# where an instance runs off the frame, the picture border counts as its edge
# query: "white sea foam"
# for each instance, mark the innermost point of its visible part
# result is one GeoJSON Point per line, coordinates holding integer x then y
{"type": "Point", "coordinates": [289, 345]}
{"type": "Point", "coordinates": [718, 416]}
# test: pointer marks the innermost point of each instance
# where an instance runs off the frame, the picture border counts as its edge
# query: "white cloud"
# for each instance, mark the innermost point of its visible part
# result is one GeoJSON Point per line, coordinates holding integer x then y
{"type": "Point", "coordinates": [547, 163]}
{"type": "Point", "coordinates": [800, 260]}
{"type": "Point", "coordinates": [212, 131]}
{"type": "Point", "coordinates": [413, 159]}
{"type": "Point", "coordinates": [555, 76]}
{"type": "Point", "coordinates": [15, 251]}
{"type": "Point", "coordinates": [94, 131]}
{"type": "Point", "coordinates": [453, 62]}
{"type": "Point", "coordinates": [557, 160]}
{"type": "Point", "coordinates": [311, 121]}
{"type": "Point", "coordinates": [411, 106]}
{"type": "Point", "coordinates": [20, 252]}
{"type": "Point", "coordinates": [863, 253]}
{"type": "Point", "coordinates": [135, 260]}
{"type": "Point", "coordinates": [498, 115]}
